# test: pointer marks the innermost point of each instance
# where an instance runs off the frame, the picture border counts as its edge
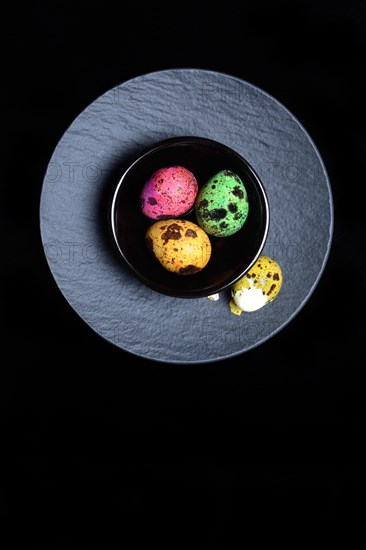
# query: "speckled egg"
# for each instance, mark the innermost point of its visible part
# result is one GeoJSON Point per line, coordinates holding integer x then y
{"type": "Point", "coordinates": [222, 204]}
{"type": "Point", "coordinates": [181, 246]}
{"type": "Point", "coordinates": [169, 192]}
{"type": "Point", "coordinates": [258, 287]}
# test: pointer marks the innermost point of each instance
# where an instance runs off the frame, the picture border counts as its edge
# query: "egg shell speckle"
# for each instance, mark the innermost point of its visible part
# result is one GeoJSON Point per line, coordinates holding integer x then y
{"type": "Point", "coordinates": [222, 204]}
{"type": "Point", "coordinates": [258, 287]}
{"type": "Point", "coordinates": [169, 192]}
{"type": "Point", "coordinates": [180, 246]}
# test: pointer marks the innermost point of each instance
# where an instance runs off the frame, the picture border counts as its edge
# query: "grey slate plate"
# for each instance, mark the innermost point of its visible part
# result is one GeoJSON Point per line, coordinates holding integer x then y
{"type": "Point", "coordinates": [112, 131]}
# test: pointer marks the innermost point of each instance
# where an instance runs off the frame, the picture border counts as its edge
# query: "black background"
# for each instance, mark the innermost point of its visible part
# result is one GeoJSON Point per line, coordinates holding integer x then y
{"type": "Point", "coordinates": [101, 449]}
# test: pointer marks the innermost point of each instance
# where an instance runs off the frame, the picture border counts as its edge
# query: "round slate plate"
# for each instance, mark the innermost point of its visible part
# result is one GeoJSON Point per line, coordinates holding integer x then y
{"type": "Point", "coordinates": [86, 165]}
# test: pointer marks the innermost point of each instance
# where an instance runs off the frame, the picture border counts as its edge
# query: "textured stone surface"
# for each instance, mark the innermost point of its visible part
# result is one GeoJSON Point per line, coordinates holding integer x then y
{"type": "Point", "coordinates": [117, 126]}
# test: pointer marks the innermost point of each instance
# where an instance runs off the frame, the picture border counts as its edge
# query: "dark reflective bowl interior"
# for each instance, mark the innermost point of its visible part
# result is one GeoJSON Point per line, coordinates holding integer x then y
{"type": "Point", "coordinates": [231, 256]}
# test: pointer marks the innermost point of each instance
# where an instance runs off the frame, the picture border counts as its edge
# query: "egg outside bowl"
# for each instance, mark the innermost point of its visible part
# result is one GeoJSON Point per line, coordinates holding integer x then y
{"type": "Point", "coordinates": [231, 257]}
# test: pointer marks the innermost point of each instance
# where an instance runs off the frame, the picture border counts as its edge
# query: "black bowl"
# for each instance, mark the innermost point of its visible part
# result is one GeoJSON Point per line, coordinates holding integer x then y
{"type": "Point", "coordinates": [231, 257]}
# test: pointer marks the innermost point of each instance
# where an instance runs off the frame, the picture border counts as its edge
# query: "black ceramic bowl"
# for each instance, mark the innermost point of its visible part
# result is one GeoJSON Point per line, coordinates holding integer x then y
{"type": "Point", "coordinates": [231, 256]}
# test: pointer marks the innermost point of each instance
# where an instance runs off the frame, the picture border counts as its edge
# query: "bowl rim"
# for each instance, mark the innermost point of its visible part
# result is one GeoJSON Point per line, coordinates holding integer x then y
{"type": "Point", "coordinates": [181, 140]}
